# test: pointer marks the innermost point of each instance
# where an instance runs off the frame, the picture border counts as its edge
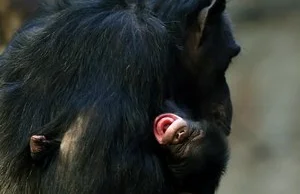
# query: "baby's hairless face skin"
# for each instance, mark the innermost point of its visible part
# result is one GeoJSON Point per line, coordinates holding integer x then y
{"type": "Point", "coordinates": [180, 136]}
{"type": "Point", "coordinates": [170, 130]}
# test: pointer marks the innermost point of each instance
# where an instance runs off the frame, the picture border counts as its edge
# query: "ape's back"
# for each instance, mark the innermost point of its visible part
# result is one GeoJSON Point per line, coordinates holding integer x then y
{"type": "Point", "coordinates": [84, 74]}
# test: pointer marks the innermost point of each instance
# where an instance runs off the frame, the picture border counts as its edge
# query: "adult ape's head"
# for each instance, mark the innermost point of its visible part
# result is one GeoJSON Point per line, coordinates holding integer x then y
{"type": "Point", "coordinates": [201, 30]}
{"type": "Point", "coordinates": [205, 47]}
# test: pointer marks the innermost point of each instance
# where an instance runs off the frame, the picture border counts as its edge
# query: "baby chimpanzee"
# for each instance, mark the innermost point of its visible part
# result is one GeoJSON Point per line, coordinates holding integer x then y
{"type": "Point", "coordinates": [196, 152]}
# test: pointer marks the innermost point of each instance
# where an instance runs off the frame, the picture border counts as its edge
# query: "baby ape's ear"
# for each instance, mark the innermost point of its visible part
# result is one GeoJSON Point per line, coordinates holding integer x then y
{"type": "Point", "coordinates": [170, 129]}
{"type": "Point", "coordinates": [37, 145]}
{"type": "Point", "coordinates": [40, 147]}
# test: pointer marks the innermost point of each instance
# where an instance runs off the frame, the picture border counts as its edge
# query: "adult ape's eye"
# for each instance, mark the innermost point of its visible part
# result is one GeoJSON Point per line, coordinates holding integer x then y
{"type": "Point", "coordinates": [208, 29]}
{"type": "Point", "coordinates": [212, 23]}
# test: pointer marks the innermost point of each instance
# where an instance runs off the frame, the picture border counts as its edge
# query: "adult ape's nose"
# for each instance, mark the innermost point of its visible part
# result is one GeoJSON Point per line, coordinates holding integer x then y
{"type": "Point", "coordinates": [235, 49]}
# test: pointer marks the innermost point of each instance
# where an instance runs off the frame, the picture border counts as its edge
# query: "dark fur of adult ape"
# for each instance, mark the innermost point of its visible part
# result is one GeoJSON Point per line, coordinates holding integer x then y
{"type": "Point", "coordinates": [85, 74]}
{"type": "Point", "coordinates": [93, 75]}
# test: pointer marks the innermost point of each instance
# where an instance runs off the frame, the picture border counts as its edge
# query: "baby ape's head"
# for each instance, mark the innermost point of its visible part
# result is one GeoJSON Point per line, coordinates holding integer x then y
{"type": "Point", "coordinates": [196, 152]}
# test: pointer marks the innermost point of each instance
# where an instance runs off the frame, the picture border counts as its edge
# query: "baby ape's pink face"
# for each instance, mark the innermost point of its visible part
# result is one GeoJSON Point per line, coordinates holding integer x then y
{"type": "Point", "coordinates": [170, 129]}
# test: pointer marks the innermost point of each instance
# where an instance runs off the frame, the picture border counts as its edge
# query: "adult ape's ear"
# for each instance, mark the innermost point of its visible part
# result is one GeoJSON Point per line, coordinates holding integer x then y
{"type": "Point", "coordinates": [197, 22]}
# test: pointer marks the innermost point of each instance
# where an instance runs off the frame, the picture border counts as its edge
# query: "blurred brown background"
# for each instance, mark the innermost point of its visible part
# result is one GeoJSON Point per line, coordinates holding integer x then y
{"type": "Point", "coordinates": [265, 89]}
{"type": "Point", "coordinates": [12, 13]}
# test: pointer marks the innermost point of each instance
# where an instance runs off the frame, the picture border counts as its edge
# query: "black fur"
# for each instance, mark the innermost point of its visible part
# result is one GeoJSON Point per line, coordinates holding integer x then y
{"type": "Point", "coordinates": [199, 161]}
{"type": "Point", "coordinates": [94, 74]}
{"type": "Point", "coordinates": [201, 89]}
{"type": "Point", "coordinates": [98, 64]}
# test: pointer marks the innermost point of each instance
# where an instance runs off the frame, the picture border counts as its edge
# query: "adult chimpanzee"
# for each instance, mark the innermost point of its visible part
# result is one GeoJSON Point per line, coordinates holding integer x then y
{"type": "Point", "coordinates": [84, 83]}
